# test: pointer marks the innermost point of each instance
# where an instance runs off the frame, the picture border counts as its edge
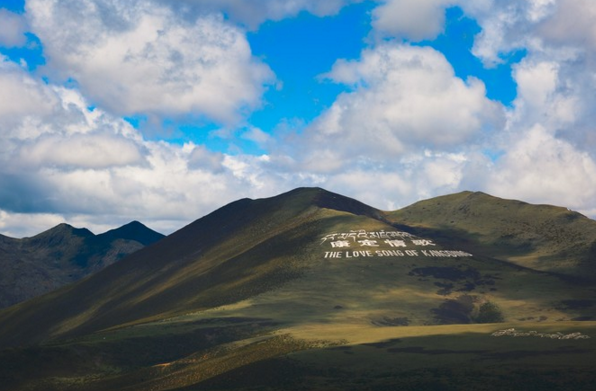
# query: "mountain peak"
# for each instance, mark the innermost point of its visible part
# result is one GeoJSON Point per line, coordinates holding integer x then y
{"type": "Point", "coordinates": [316, 196]}
{"type": "Point", "coordinates": [133, 231]}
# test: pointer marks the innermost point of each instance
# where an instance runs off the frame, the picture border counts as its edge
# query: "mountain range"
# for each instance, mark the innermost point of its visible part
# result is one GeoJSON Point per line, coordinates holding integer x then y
{"type": "Point", "coordinates": [314, 290]}
{"type": "Point", "coordinates": [62, 255]}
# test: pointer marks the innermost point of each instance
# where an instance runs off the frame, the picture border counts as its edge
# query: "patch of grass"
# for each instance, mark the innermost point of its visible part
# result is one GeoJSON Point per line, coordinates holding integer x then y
{"type": "Point", "coordinates": [489, 313]}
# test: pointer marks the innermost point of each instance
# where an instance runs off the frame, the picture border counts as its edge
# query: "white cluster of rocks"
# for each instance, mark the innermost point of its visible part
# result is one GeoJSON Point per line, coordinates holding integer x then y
{"type": "Point", "coordinates": [514, 333]}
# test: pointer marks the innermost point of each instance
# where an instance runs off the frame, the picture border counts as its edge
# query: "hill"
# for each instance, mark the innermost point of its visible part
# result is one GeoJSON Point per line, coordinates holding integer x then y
{"type": "Point", "coordinates": [62, 255]}
{"type": "Point", "coordinates": [311, 289]}
{"type": "Point", "coordinates": [541, 237]}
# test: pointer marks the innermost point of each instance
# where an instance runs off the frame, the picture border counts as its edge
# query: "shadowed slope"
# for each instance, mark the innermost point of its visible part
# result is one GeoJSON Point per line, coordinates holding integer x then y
{"type": "Point", "coordinates": [238, 251]}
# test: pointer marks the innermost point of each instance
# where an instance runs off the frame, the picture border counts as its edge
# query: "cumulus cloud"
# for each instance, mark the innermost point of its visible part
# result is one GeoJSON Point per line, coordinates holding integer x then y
{"type": "Point", "coordinates": [13, 29]}
{"type": "Point", "coordinates": [20, 94]}
{"type": "Point", "coordinates": [412, 19]}
{"type": "Point", "coordinates": [506, 25]}
{"type": "Point", "coordinates": [95, 150]}
{"type": "Point", "coordinates": [136, 57]}
{"type": "Point", "coordinates": [571, 24]}
{"type": "Point", "coordinates": [405, 99]}
{"type": "Point", "coordinates": [540, 167]}
{"type": "Point", "coordinates": [254, 12]}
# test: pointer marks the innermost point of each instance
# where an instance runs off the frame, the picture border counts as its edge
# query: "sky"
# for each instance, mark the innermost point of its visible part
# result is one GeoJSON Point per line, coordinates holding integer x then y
{"type": "Point", "coordinates": [162, 111]}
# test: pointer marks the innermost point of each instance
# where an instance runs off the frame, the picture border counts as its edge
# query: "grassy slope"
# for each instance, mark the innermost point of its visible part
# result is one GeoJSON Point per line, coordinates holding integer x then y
{"type": "Point", "coordinates": [244, 297]}
{"type": "Point", "coordinates": [541, 237]}
{"type": "Point", "coordinates": [234, 253]}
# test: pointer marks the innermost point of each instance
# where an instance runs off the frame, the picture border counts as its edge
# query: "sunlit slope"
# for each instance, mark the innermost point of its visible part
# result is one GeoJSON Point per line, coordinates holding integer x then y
{"type": "Point", "coordinates": [541, 237]}
{"type": "Point", "coordinates": [418, 282]}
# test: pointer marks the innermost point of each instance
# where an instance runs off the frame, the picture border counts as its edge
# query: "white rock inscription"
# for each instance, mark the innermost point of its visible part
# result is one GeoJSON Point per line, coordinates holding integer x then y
{"type": "Point", "coordinates": [367, 244]}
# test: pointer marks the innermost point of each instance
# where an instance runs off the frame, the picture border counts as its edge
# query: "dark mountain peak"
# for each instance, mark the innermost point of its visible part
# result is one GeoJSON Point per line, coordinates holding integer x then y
{"type": "Point", "coordinates": [133, 231]}
{"type": "Point", "coordinates": [316, 196]}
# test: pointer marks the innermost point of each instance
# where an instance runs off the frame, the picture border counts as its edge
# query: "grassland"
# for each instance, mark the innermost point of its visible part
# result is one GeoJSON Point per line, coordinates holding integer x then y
{"type": "Point", "coordinates": [198, 353]}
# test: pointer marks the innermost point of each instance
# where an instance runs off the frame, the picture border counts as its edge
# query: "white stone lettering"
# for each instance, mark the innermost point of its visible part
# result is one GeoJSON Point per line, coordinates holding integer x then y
{"type": "Point", "coordinates": [386, 243]}
{"type": "Point", "coordinates": [340, 243]}
{"type": "Point", "coordinates": [358, 254]}
{"type": "Point", "coordinates": [422, 242]}
{"type": "Point", "coordinates": [368, 243]}
{"type": "Point", "coordinates": [389, 253]}
{"type": "Point", "coordinates": [396, 243]}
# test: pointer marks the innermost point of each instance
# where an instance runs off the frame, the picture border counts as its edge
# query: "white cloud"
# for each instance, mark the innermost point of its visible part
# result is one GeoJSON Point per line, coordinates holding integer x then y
{"type": "Point", "coordinates": [541, 168]}
{"type": "Point", "coordinates": [254, 12]}
{"type": "Point", "coordinates": [533, 25]}
{"type": "Point", "coordinates": [136, 57]}
{"type": "Point", "coordinates": [412, 19]}
{"type": "Point", "coordinates": [571, 23]}
{"type": "Point", "coordinates": [392, 186]}
{"type": "Point", "coordinates": [95, 150]}
{"type": "Point", "coordinates": [201, 158]}
{"type": "Point", "coordinates": [257, 136]}
{"type": "Point", "coordinates": [405, 99]}
{"type": "Point", "coordinates": [20, 94]}
{"type": "Point", "coordinates": [544, 96]}
{"type": "Point", "coordinates": [14, 27]}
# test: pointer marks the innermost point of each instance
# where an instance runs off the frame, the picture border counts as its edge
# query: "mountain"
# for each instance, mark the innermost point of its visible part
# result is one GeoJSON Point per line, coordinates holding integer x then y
{"type": "Point", "coordinates": [314, 290]}
{"type": "Point", "coordinates": [62, 255]}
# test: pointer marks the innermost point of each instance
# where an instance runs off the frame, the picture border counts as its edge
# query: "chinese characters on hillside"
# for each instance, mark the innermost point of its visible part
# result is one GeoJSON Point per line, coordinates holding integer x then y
{"type": "Point", "coordinates": [363, 244]}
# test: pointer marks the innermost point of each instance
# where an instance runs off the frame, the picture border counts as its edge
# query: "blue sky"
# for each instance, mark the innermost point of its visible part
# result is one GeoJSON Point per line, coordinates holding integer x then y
{"type": "Point", "coordinates": [162, 112]}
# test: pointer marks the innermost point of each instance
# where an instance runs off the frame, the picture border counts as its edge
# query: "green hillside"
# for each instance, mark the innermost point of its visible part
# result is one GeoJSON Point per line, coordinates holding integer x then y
{"type": "Point", "coordinates": [541, 237]}
{"type": "Point", "coordinates": [313, 290]}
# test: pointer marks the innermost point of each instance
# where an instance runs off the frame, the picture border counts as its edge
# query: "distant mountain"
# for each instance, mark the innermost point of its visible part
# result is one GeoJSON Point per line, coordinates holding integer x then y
{"type": "Point", "coordinates": [314, 290]}
{"type": "Point", "coordinates": [62, 255]}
